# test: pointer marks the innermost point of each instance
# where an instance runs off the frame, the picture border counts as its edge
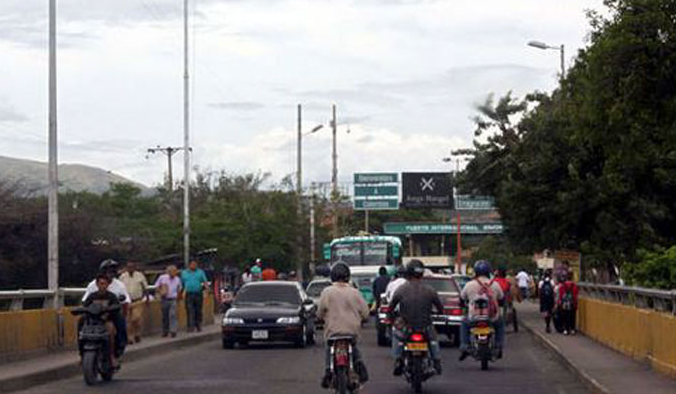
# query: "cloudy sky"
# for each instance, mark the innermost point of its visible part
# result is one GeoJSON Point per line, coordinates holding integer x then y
{"type": "Point", "coordinates": [405, 75]}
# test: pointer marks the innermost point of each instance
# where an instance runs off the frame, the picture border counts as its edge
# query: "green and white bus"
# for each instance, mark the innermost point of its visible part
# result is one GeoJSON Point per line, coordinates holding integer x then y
{"type": "Point", "coordinates": [365, 255]}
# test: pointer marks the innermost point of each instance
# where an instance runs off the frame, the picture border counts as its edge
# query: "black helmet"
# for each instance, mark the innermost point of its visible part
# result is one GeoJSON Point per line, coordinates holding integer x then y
{"type": "Point", "coordinates": [340, 272]}
{"type": "Point", "coordinates": [415, 269]}
{"type": "Point", "coordinates": [107, 265]}
{"type": "Point", "coordinates": [482, 268]}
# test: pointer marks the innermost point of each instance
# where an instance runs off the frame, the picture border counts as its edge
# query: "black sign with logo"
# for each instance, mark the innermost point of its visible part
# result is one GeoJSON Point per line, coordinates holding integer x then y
{"type": "Point", "coordinates": [427, 190]}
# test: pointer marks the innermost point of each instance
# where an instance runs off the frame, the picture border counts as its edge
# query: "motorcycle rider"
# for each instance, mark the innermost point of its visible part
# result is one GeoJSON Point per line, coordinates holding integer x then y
{"type": "Point", "coordinates": [106, 299]}
{"type": "Point", "coordinates": [415, 301]}
{"type": "Point", "coordinates": [393, 285]}
{"type": "Point", "coordinates": [109, 268]}
{"type": "Point", "coordinates": [342, 308]}
{"type": "Point", "coordinates": [480, 287]}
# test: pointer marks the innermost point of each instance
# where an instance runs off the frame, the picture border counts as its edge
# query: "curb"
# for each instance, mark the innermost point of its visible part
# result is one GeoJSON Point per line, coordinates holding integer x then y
{"type": "Point", "coordinates": [71, 368]}
{"type": "Point", "coordinates": [583, 376]}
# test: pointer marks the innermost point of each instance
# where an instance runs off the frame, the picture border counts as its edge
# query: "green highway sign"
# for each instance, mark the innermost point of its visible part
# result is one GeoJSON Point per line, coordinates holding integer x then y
{"type": "Point", "coordinates": [373, 205]}
{"type": "Point", "coordinates": [373, 191]}
{"type": "Point", "coordinates": [370, 178]}
{"type": "Point", "coordinates": [403, 228]}
{"type": "Point", "coordinates": [362, 190]}
{"type": "Point", "coordinates": [468, 202]}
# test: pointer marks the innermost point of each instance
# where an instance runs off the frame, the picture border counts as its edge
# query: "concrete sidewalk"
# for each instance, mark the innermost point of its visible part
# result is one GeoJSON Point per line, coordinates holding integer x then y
{"type": "Point", "coordinates": [603, 369]}
{"type": "Point", "coordinates": [23, 374]}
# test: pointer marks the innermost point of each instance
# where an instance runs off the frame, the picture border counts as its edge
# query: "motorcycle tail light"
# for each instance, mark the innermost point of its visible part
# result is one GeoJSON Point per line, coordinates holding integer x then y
{"type": "Point", "coordinates": [452, 311]}
{"type": "Point", "coordinates": [384, 309]}
{"type": "Point", "coordinates": [417, 337]}
{"type": "Point", "coordinates": [482, 324]}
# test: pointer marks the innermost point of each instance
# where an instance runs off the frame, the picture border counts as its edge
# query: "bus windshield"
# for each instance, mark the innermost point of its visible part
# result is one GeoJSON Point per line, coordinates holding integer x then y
{"type": "Point", "coordinates": [360, 253]}
{"type": "Point", "coordinates": [349, 253]}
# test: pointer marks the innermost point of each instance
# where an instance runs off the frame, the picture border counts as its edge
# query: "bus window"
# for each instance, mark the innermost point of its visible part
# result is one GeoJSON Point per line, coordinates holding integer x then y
{"type": "Point", "coordinates": [375, 253]}
{"type": "Point", "coordinates": [349, 253]}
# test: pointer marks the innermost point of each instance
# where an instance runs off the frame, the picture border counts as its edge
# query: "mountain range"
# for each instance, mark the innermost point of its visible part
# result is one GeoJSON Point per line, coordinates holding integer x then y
{"type": "Point", "coordinates": [32, 175]}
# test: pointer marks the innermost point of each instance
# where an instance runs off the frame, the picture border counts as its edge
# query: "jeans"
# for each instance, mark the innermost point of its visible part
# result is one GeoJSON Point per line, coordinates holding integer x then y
{"type": "Point", "coordinates": [498, 325]}
{"type": "Point", "coordinates": [399, 337]}
{"type": "Point", "coordinates": [193, 305]}
{"type": "Point", "coordinates": [169, 316]}
{"type": "Point", "coordinates": [525, 293]}
{"type": "Point", "coordinates": [568, 319]}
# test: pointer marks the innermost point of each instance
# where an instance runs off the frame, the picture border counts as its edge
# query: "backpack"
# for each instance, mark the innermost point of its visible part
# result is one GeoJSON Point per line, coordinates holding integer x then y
{"type": "Point", "coordinates": [485, 304]}
{"type": "Point", "coordinates": [547, 291]}
{"type": "Point", "coordinates": [567, 303]}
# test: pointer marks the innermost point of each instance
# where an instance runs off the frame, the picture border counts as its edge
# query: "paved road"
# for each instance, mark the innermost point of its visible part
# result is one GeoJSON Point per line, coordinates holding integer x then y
{"type": "Point", "coordinates": [527, 368]}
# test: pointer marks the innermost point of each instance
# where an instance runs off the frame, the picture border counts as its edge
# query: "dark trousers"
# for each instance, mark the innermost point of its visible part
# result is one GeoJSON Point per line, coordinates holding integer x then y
{"type": "Point", "coordinates": [568, 319]}
{"type": "Point", "coordinates": [193, 305]}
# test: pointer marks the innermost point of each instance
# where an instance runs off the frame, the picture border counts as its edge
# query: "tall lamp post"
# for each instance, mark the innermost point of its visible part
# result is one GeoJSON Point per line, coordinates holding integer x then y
{"type": "Point", "coordinates": [458, 257]}
{"type": "Point", "coordinates": [561, 49]}
{"type": "Point", "coordinates": [299, 185]}
{"type": "Point", "coordinates": [53, 196]}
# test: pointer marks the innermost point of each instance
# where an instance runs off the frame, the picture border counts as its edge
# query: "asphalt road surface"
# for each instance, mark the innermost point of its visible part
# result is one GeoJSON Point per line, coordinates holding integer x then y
{"type": "Point", "coordinates": [270, 369]}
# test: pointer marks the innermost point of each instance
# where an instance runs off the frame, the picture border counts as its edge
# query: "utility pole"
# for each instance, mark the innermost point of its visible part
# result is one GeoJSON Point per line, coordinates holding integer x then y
{"type": "Point", "coordinates": [299, 198]}
{"type": "Point", "coordinates": [563, 62]}
{"type": "Point", "coordinates": [186, 141]}
{"type": "Point", "coordinates": [169, 151]}
{"type": "Point", "coordinates": [313, 258]}
{"type": "Point", "coordinates": [53, 197]}
{"type": "Point", "coordinates": [334, 173]}
{"type": "Point", "coordinates": [458, 260]}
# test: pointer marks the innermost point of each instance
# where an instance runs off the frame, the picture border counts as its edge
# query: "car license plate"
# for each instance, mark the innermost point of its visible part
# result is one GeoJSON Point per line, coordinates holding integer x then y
{"type": "Point", "coordinates": [481, 330]}
{"type": "Point", "coordinates": [417, 346]}
{"type": "Point", "coordinates": [259, 334]}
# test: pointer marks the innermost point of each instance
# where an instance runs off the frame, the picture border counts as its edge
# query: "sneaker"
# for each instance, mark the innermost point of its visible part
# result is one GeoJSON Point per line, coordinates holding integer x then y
{"type": "Point", "coordinates": [165, 334]}
{"type": "Point", "coordinates": [463, 355]}
{"type": "Point", "coordinates": [437, 366]}
{"type": "Point", "coordinates": [173, 335]}
{"type": "Point", "coordinates": [326, 380]}
{"type": "Point", "coordinates": [499, 354]}
{"type": "Point", "coordinates": [573, 332]}
{"type": "Point", "coordinates": [565, 332]}
{"type": "Point", "coordinates": [137, 339]}
{"type": "Point", "coordinates": [398, 367]}
{"type": "Point", "coordinates": [198, 328]}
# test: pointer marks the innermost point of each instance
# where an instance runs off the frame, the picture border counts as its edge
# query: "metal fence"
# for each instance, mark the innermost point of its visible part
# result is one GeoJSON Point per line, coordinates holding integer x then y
{"type": "Point", "coordinates": [14, 300]}
{"type": "Point", "coordinates": [639, 297]}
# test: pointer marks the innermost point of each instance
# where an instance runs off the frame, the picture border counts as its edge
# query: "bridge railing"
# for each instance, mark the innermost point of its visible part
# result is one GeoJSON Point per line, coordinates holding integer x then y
{"type": "Point", "coordinates": [16, 298]}
{"type": "Point", "coordinates": [639, 297]}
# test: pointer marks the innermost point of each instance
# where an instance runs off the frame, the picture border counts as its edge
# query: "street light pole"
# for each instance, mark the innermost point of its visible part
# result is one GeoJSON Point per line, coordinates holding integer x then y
{"type": "Point", "coordinates": [186, 141]}
{"type": "Point", "coordinates": [299, 193]}
{"type": "Point", "coordinates": [53, 197]}
{"type": "Point", "coordinates": [334, 173]}
{"type": "Point", "coordinates": [561, 49]}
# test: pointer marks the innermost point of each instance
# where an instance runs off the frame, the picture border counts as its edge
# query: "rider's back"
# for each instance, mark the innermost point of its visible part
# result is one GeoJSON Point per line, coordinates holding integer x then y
{"type": "Point", "coordinates": [342, 308]}
{"type": "Point", "coordinates": [416, 301]}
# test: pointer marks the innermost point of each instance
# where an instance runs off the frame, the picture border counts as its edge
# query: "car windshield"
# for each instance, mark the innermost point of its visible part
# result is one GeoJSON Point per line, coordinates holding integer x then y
{"type": "Point", "coordinates": [314, 289]}
{"type": "Point", "coordinates": [268, 294]}
{"type": "Point", "coordinates": [441, 285]}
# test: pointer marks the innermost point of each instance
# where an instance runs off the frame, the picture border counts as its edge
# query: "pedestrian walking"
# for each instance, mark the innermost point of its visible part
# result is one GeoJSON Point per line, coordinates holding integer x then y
{"type": "Point", "coordinates": [567, 303]}
{"type": "Point", "coordinates": [257, 270]}
{"type": "Point", "coordinates": [137, 287]}
{"type": "Point", "coordinates": [169, 288]}
{"type": "Point", "coordinates": [547, 299]}
{"type": "Point", "coordinates": [523, 280]}
{"type": "Point", "coordinates": [194, 282]}
{"type": "Point", "coordinates": [246, 276]}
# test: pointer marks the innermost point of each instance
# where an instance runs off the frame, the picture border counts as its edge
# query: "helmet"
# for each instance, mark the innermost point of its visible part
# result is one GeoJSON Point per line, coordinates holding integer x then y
{"type": "Point", "coordinates": [340, 272]}
{"type": "Point", "coordinates": [415, 269]}
{"type": "Point", "coordinates": [107, 265]}
{"type": "Point", "coordinates": [482, 268]}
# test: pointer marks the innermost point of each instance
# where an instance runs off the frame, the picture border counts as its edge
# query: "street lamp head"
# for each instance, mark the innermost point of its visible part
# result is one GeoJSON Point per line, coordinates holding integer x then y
{"type": "Point", "coordinates": [316, 128]}
{"type": "Point", "coordinates": [538, 44]}
{"type": "Point", "coordinates": [446, 159]}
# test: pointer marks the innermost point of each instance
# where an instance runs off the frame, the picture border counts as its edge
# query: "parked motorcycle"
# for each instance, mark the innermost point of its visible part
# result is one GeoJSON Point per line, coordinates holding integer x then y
{"type": "Point", "coordinates": [418, 363]}
{"type": "Point", "coordinates": [345, 378]}
{"type": "Point", "coordinates": [94, 342]}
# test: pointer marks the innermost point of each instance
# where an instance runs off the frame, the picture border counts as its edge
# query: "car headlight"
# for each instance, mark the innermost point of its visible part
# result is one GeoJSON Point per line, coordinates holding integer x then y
{"type": "Point", "coordinates": [288, 320]}
{"type": "Point", "coordinates": [232, 320]}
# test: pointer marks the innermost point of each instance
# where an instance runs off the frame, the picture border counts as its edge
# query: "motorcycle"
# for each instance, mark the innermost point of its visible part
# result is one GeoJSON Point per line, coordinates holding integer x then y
{"type": "Point", "coordinates": [94, 342]}
{"type": "Point", "coordinates": [418, 364]}
{"type": "Point", "coordinates": [344, 376]}
{"type": "Point", "coordinates": [482, 341]}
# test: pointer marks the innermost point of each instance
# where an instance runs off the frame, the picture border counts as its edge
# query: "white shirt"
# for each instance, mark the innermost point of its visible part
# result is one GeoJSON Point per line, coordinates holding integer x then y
{"type": "Point", "coordinates": [116, 287]}
{"type": "Point", "coordinates": [392, 288]}
{"type": "Point", "coordinates": [246, 278]}
{"type": "Point", "coordinates": [523, 279]}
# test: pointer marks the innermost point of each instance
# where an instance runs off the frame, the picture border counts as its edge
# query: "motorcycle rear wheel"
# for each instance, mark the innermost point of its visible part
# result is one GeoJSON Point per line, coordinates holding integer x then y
{"type": "Point", "coordinates": [89, 368]}
{"type": "Point", "coordinates": [416, 374]}
{"type": "Point", "coordinates": [341, 380]}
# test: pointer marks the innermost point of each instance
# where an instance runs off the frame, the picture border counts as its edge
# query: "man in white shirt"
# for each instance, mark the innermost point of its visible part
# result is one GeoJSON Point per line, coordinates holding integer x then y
{"type": "Point", "coordinates": [394, 285]}
{"type": "Point", "coordinates": [109, 267]}
{"type": "Point", "coordinates": [137, 287]}
{"type": "Point", "coordinates": [523, 281]}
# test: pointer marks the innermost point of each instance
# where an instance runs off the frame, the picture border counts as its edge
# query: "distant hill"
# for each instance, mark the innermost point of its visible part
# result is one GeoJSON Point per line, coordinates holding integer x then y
{"type": "Point", "coordinates": [75, 177]}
